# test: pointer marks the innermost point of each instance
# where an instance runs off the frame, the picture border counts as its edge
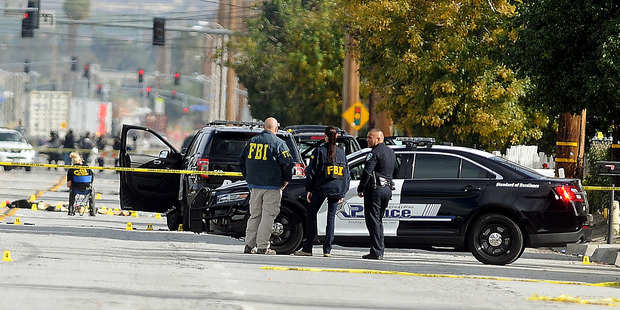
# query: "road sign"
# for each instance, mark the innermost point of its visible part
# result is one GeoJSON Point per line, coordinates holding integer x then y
{"type": "Point", "coordinates": [357, 115]}
{"type": "Point", "coordinates": [47, 19]}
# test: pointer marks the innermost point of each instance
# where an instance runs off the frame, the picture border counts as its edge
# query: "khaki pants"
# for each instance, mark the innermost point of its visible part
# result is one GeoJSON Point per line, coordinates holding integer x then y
{"type": "Point", "coordinates": [264, 207]}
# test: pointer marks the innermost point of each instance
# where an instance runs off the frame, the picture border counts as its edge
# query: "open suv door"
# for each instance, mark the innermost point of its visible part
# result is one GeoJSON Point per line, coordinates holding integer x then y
{"type": "Point", "coordinates": [149, 191]}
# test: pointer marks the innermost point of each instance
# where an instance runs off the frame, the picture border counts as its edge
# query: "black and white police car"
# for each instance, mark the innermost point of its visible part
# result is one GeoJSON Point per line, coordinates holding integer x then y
{"type": "Point", "coordinates": [445, 197]}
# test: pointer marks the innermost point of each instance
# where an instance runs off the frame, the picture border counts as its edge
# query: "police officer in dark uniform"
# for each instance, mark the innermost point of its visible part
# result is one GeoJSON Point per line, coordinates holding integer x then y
{"type": "Point", "coordinates": [376, 188]}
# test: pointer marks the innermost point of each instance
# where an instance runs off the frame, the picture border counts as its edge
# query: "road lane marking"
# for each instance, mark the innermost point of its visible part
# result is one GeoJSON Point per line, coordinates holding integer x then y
{"type": "Point", "coordinates": [429, 275]}
{"type": "Point", "coordinates": [10, 212]}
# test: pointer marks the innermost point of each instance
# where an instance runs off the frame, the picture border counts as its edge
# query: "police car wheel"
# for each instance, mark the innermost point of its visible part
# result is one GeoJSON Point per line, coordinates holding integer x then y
{"type": "Point", "coordinates": [287, 231]}
{"type": "Point", "coordinates": [495, 239]}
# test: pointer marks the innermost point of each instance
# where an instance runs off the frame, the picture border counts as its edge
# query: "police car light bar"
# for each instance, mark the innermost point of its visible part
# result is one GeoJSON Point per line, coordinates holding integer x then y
{"type": "Point", "coordinates": [236, 123]}
{"type": "Point", "coordinates": [417, 141]}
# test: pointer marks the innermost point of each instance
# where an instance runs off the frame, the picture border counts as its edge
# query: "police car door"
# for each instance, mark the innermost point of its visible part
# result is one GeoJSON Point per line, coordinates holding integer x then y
{"type": "Point", "coordinates": [444, 189]}
{"type": "Point", "coordinates": [147, 190]}
{"type": "Point", "coordinates": [349, 220]}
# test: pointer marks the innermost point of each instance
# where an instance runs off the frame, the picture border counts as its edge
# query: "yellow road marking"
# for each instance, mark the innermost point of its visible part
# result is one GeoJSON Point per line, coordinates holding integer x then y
{"type": "Point", "coordinates": [10, 212]}
{"type": "Point", "coordinates": [428, 275]}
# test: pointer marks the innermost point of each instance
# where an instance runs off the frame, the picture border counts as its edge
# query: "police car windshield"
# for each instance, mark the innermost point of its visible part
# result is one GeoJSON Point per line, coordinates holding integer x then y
{"type": "Point", "coordinates": [531, 173]}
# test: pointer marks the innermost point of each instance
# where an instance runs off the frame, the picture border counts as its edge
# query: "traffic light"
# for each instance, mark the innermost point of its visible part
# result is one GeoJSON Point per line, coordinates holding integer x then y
{"type": "Point", "coordinates": [140, 75]}
{"type": "Point", "coordinates": [357, 115]}
{"type": "Point", "coordinates": [177, 78]}
{"type": "Point", "coordinates": [35, 4]}
{"type": "Point", "coordinates": [74, 63]}
{"type": "Point", "coordinates": [31, 18]}
{"type": "Point", "coordinates": [86, 72]}
{"type": "Point", "coordinates": [173, 94]}
{"type": "Point", "coordinates": [28, 25]}
{"type": "Point", "coordinates": [159, 31]}
{"type": "Point", "coordinates": [99, 89]}
{"type": "Point", "coordinates": [185, 110]}
{"type": "Point", "coordinates": [148, 91]}
{"type": "Point", "coordinates": [27, 65]}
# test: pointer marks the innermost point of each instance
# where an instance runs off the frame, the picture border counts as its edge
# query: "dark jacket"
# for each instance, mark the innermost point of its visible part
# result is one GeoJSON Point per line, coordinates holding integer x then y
{"type": "Point", "coordinates": [266, 161]}
{"type": "Point", "coordinates": [80, 177]}
{"type": "Point", "coordinates": [327, 178]}
{"type": "Point", "coordinates": [380, 162]}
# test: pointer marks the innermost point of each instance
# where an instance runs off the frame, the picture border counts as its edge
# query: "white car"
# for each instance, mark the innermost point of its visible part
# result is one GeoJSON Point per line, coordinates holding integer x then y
{"type": "Point", "coordinates": [15, 149]}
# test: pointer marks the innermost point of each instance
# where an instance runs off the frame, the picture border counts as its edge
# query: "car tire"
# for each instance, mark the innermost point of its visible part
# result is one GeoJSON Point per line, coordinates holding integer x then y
{"type": "Point", "coordinates": [28, 169]}
{"type": "Point", "coordinates": [173, 219]}
{"type": "Point", "coordinates": [495, 239]}
{"type": "Point", "coordinates": [288, 231]}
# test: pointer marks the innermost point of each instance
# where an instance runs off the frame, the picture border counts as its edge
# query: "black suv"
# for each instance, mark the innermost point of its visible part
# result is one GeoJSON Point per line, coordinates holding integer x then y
{"type": "Point", "coordinates": [214, 148]}
{"type": "Point", "coordinates": [309, 136]}
{"type": "Point", "coordinates": [445, 198]}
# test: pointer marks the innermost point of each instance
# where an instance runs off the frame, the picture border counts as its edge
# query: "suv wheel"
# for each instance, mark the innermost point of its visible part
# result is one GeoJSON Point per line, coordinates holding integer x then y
{"type": "Point", "coordinates": [495, 239]}
{"type": "Point", "coordinates": [287, 231]}
{"type": "Point", "coordinates": [173, 219]}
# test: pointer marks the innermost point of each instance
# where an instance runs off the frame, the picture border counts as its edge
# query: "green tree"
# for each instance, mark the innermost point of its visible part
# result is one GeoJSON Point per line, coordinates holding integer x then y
{"type": "Point", "coordinates": [439, 67]}
{"type": "Point", "coordinates": [291, 60]}
{"type": "Point", "coordinates": [571, 51]}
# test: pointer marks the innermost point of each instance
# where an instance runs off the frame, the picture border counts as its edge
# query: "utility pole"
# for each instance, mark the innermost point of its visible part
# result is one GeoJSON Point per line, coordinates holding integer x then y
{"type": "Point", "coordinates": [230, 79]}
{"type": "Point", "coordinates": [570, 145]}
{"type": "Point", "coordinates": [379, 119]}
{"type": "Point", "coordinates": [351, 83]}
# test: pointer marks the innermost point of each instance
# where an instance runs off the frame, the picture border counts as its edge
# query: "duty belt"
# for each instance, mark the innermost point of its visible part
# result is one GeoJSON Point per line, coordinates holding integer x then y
{"type": "Point", "coordinates": [381, 181]}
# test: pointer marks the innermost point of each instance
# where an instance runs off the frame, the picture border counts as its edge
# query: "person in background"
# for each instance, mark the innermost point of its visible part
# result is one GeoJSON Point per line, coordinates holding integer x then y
{"type": "Point", "coordinates": [116, 146]}
{"type": "Point", "coordinates": [376, 188]}
{"type": "Point", "coordinates": [267, 166]}
{"type": "Point", "coordinates": [327, 177]}
{"type": "Point", "coordinates": [54, 144]}
{"type": "Point", "coordinates": [69, 145]}
{"type": "Point", "coordinates": [86, 144]}
{"type": "Point", "coordinates": [101, 143]}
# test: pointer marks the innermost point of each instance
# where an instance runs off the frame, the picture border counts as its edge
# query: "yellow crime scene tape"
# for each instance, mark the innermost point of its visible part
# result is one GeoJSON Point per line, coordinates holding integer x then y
{"type": "Point", "coordinates": [52, 150]}
{"type": "Point", "coordinates": [601, 188]}
{"type": "Point", "coordinates": [173, 171]}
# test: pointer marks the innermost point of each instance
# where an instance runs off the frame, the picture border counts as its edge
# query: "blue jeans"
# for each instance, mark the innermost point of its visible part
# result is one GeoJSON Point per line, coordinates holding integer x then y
{"type": "Point", "coordinates": [313, 209]}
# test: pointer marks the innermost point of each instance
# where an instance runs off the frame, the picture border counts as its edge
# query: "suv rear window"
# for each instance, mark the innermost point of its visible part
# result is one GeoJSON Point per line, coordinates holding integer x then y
{"type": "Point", "coordinates": [226, 144]}
{"type": "Point", "coordinates": [231, 144]}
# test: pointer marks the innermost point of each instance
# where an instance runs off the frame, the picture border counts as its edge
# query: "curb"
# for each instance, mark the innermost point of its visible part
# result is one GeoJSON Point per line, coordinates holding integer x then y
{"type": "Point", "coordinates": [600, 253]}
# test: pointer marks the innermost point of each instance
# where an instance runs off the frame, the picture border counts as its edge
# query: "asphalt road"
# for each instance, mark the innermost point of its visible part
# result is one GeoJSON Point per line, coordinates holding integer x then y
{"type": "Point", "coordinates": [83, 262]}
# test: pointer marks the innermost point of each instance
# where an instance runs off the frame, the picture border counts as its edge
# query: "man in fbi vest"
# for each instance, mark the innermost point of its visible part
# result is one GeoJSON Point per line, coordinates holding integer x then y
{"type": "Point", "coordinates": [267, 166]}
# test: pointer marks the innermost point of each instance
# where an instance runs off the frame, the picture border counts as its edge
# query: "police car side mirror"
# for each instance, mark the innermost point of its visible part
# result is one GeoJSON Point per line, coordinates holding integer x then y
{"type": "Point", "coordinates": [164, 154]}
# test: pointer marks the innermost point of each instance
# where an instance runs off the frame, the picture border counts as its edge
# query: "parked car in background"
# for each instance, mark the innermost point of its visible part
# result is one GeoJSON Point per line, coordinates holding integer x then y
{"type": "Point", "coordinates": [310, 136]}
{"type": "Point", "coordinates": [214, 148]}
{"type": "Point", "coordinates": [15, 149]}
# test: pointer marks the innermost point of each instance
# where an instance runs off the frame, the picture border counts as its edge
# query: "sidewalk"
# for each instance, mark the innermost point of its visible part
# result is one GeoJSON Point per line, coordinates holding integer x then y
{"type": "Point", "coordinates": [598, 251]}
